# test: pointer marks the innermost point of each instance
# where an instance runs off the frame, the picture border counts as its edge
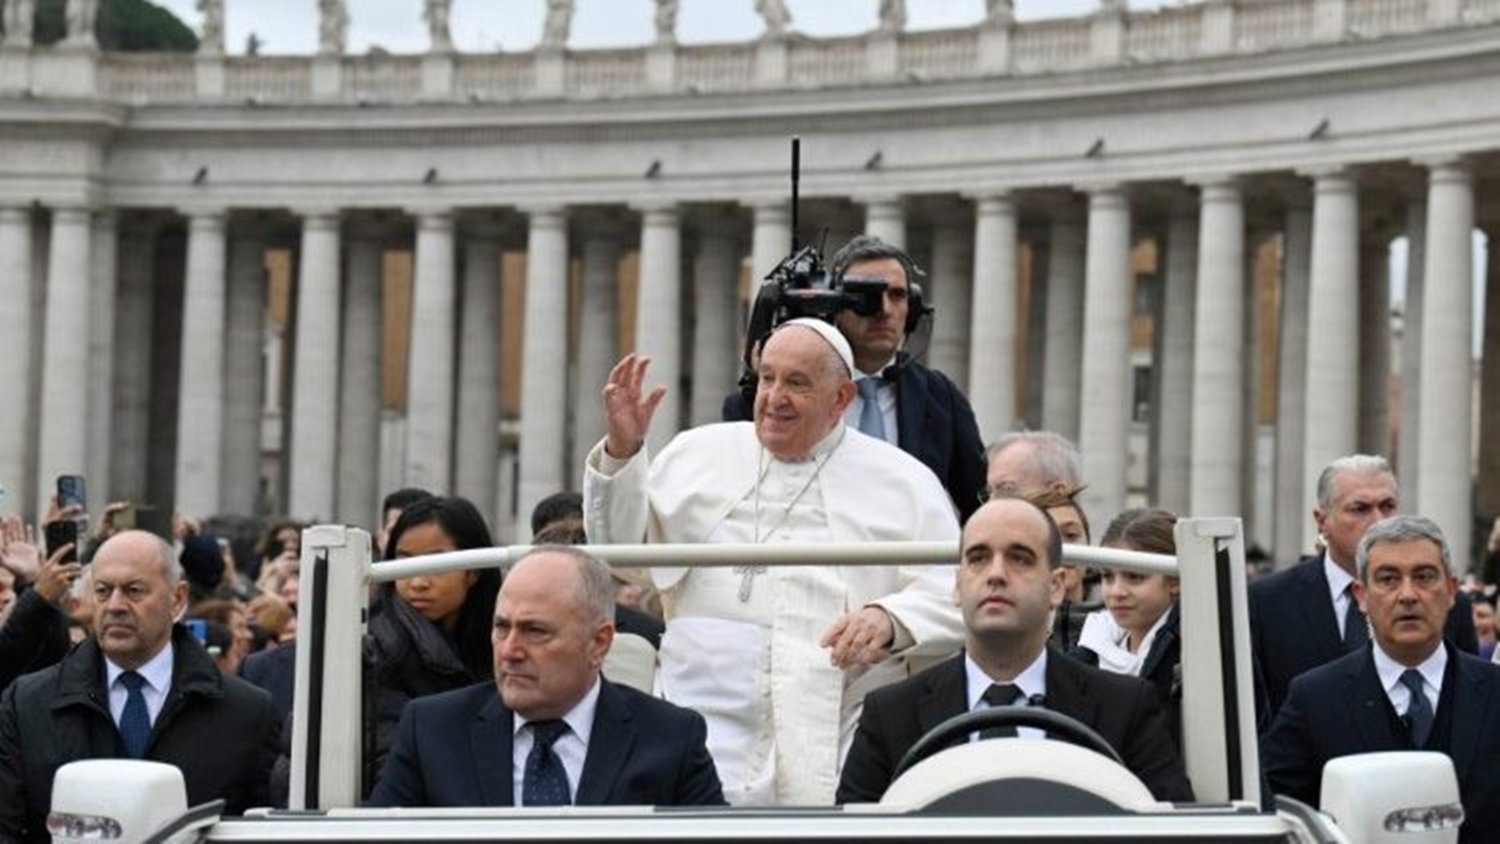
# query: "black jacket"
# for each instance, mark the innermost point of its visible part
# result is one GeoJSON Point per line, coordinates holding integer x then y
{"type": "Point", "coordinates": [1293, 629]}
{"type": "Point", "coordinates": [934, 423]}
{"type": "Point", "coordinates": [34, 637]}
{"type": "Point", "coordinates": [455, 749]}
{"type": "Point", "coordinates": [1341, 708]}
{"type": "Point", "coordinates": [1162, 668]}
{"type": "Point", "coordinates": [1121, 709]}
{"type": "Point", "coordinates": [220, 731]}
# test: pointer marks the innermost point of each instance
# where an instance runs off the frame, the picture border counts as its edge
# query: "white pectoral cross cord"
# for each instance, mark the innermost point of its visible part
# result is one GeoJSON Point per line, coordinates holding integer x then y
{"type": "Point", "coordinates": [748, 573]}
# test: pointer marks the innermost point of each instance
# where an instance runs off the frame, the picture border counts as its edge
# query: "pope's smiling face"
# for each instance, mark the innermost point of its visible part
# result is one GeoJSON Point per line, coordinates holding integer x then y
{"type": "Point", "coordinates": [802, 392]}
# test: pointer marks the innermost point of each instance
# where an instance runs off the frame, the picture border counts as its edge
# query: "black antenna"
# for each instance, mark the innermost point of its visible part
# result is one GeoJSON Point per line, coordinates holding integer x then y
{"type": "Point", "coordinates": [796, 175]}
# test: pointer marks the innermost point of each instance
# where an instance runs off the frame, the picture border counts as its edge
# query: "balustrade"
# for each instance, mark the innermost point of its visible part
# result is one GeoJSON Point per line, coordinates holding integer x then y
{"type": "Point", "coordinates": [838, 61]}
{"type": "Point", "coordinates": [1374, 18]}
{"type": "Point", "coordinates": [942, 54]}
{"type": "Point", "coordinates": [1165, 35]}
{"type": "Point", "coordinates": [593, 73]}
{"type": "Point", "coordinates": [268, 77]}
{"type": "Point", "coordinates": [716, 68]}
{"type": "Point", "coordinates": [1052, 46]}
{"type": "Point", "coordinates": [148, 77]}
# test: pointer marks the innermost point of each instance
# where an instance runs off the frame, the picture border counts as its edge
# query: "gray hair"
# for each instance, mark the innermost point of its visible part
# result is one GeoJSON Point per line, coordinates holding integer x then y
{"type": "Point", "coordinates": [1053, 454]}
{"type": "Point", "coordinates": [1400, 529]}
{"type": "Point", "coordinates": [1350, 464]}
{"type": "Point", "coordinates": [596, 587]}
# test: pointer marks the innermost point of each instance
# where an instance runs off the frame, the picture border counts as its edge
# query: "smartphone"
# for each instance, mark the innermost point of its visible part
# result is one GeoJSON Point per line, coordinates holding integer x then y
{"type": "Point", "coordinates": [61, 533]}
{"type": "Point", "coordinates": [198, 627]}
{"type": "Point", "coordinates": [70, 492]}
{"type": "Point", "coordinates": [125, 518]}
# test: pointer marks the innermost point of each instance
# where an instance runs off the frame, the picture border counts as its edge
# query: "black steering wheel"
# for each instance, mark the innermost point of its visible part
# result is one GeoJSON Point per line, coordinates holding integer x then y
{"type": "Point", "coordinates": [1057, 724]}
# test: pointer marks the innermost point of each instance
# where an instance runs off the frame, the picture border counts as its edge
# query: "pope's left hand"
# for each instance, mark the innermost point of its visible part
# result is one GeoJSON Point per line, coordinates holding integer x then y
{"type": "Point", "coordinates": [859, 638]}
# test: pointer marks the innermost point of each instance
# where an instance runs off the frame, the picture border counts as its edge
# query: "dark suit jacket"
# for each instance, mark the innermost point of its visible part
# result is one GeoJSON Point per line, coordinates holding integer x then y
{"type": "Point", "coordinates": [1121, 709]}
{"type": "Point", "coordinates": [1341, 708]}
{"type": "Point", "coordinates": [1293, 629]}
{"type": "Point", "coordinates": [275, 670]}
{"type": "Point", "coordinates": [454, 749]}
{"type": "Point", "coordinates": [1162, 668]}
{"type": "Point", "coordinates": [934, 423]}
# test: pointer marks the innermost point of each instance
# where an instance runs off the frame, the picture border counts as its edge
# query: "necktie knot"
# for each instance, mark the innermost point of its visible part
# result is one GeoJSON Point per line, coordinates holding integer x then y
{"type": "Point", "coordinates": [1001, 694]}
{"type": "Point", "coordinates": [548, 732]}
{"type": "Point", "coordinates": [1355, 632]}
{"type": "Point", "coordinates": [869, 388]}
{"type": "Point", "coordinates": [135, 718]}
{"type": "Point", "coordinates": [871, 420]}
{"type": "Point", "coordinates": [1412, 679]}
{"type": "Point", "coordinates": [545, 780]}
{"type": "Point", "coordinates": [132, 681]}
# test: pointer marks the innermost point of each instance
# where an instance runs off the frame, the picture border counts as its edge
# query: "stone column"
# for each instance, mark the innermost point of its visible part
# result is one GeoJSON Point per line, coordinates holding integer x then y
{"type": "Point", "coordinates": [1063, 345]}
{"type": "Point", "coordinates": [544, 400]}
{"type": "Point", "coordinates": [135, 317]}
{"type": "Point", "coordinates": [478, 454]}
{"type": "Point", "coordinates": [885, 218]}
{"type": "Point", "coordinates": [430, 370]}
{"type": "Point", "coordinates": [200, 406]}
{"type": "Point", "coordinates": [1332, 425]}
{"type": "Point", "coordinates": [315, 372]}
{"type": "Point", "coordinates": [1374, 342]}
{"type": "Point", "coordinates": [1218, 366]}
{"type": "Point", "coordinates": [771, 239]}
{"type": "Point", "coordinates": [15, 348]}
{"type": "Point", "coordinates": [1489, 387]}
{"type": "Point", "coordinates": [62, 446]}
{"type": "Point", "coordinates": [1105, 408]}
{"type": "Point", "coordinates": [598, 339]}
{"type": "Point", "coordinates": [244, 374]}
{"type": "Point", "coordinates": [658, 316]}
{"type": "Point", "coordinates": [992, 329]}
{"type": "Point", "coordinates": [102, 284]}
{"type": "Point", "coordinates": [358, 488]}
{"type": "Point", "coordinates": [1443, 475]}
{"type": "Point", "coordinates": [1174, 412]}
{"type": "Point", "coordinates": [1409, 449]}
{"type": "Point", "coordinates": [716, 278]}
{"type": "Point", "coordinates": [1292, 517]}
{"type": "Point", "coordinates": [952, 293]}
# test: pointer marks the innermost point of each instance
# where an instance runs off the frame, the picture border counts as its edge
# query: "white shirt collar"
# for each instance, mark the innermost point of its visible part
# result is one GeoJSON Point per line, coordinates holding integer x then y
{"type": "Point", "coordinates": [1338, 579]}
{"type": "Point", "coordinates": [860, 373]}
{"type": "Point", "coordinates": [157, 671]}
{"type": "Point", "coordinates": [1390, 670]}
{"type": "Point", "coordinates": [580, 718]}
{"type": "Point", "coordinates": [1032, 681]}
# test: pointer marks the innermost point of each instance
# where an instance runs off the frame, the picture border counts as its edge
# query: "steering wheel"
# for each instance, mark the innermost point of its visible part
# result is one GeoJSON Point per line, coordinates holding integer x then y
{"type": "Point", "coordinates": [959, 726]}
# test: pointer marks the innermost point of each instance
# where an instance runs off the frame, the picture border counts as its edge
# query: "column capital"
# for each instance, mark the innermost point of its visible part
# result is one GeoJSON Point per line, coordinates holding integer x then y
{"type": "Point", "coordinates": [770, 209]}
{"type": "Point", "coordinates": [543, 210]}
{"type": "Point", "coordinates": [1217, 189]}
{"type": "Point", "coordinates": [433, 219]}
{"type": "Point", "coordinates": [204, 215]}
{"type": "Point", "coordinates": [993, 201]}
{"type": "Point", "coordinates": [1328, 177]}
{"type": "Point", "coordinates": [1447, 168]}
{"type": "Point", "coordinates": [1205, 181]}
{"type": "Point", "coordinates": [80, 214]}
{"type": "Point", "coordinates": [877, 200]}
{"type": "Point", "coordinates": [15, 214]}
{"type": "Point", "coordinates": [1106, 195]}
{"type": "Point", "coordinates": [318, 217]}
{"type": "Point", "coordinates": [658, 211]}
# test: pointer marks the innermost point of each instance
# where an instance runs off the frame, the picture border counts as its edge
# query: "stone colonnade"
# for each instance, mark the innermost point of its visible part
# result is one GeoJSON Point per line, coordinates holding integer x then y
{"type": "Point", "coordinates": [87, 405]}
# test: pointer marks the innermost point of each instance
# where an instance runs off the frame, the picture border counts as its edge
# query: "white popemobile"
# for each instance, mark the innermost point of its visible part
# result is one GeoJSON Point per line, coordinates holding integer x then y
{"type": "Point", "coordinates": [997, 790]}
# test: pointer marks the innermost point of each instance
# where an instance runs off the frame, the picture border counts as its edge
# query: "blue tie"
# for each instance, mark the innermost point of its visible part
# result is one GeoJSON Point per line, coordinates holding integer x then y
{"type": "Point", "coordinates": [871, 420]}
{"type": "Point", "coordinates": [1419, 711]}
{"type": "Point", "coordinates": [135, 720]}
{"type": "Point", "coordinates": [1356, 634]}
{"type": "Point", "coordinates": [545, 782]}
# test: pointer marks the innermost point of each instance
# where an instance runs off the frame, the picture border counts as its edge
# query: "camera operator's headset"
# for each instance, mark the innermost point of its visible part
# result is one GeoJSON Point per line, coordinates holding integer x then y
{"type": "Point", "coordinates": [917, 309]}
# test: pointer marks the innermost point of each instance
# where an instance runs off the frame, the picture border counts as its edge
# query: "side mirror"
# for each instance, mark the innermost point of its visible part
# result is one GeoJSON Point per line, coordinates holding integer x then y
{"type": "Point", "coordinates": [1409, 797]}
{"type": "Point", "coordinates": [121, 799]}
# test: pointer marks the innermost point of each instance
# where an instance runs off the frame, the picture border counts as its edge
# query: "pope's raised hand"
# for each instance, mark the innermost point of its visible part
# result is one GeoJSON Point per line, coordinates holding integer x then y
{"type": "Point", "coordinates": [627, 412]}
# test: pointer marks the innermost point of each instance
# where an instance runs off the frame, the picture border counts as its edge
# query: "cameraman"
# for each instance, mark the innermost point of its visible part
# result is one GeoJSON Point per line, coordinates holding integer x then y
{"type": "Point", "coordinates": [900, 401]}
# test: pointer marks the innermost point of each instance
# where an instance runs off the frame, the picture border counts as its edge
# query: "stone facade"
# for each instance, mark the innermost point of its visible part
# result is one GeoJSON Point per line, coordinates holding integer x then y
{"type": "Point", "coordinates": [1025, 164]}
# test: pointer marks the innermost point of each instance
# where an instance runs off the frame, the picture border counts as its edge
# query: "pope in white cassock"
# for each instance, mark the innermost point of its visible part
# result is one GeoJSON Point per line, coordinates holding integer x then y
{"type": "Point", "coordinates": [778, 660]}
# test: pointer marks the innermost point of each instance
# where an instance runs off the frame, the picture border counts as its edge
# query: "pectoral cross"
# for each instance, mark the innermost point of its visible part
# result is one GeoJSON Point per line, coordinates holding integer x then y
{"type": "Point", "coordinates": [747, 580]}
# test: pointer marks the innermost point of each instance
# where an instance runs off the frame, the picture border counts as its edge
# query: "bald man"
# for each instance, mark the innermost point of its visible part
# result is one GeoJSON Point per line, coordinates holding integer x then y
{"type": "Point", "coordinates": [142, 688]}
{"type": "Point", "coordinates": [777, 660]}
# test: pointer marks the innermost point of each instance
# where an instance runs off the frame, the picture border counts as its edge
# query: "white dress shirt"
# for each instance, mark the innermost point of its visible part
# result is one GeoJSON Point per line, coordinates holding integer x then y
{"type": "Point", "coordinates": [1032, 682]}
{"type": "Point", "coordinates": [158, 675]}
{"type": "Point", "coordinates": [571, 747]}
{"type": "Point", "coordinates": [1338, 582]}
{"type": "Point", "coordinates": [1390, 672]}
{"type": "Point", "coordinates": [885, 394]}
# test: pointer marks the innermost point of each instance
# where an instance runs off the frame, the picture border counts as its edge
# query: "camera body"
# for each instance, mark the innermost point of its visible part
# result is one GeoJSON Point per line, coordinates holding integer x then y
{"type": "Point", "coordinates": [800, 286]}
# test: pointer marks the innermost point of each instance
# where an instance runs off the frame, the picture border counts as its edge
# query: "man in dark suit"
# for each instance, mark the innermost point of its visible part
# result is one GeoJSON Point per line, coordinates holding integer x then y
{"type": "Point", "coordinates": [1305, 616]}
{"type": "Point", "coordinates": [558, 733]}
{"type": "Point", "coordinates": [1009, 580]}
{"type": "Point", "coordinates": [141, 688]}
{"type": "Point", "coordinates": [1404, 690]}
{"type": "Point", "coordinates": [918, 410]}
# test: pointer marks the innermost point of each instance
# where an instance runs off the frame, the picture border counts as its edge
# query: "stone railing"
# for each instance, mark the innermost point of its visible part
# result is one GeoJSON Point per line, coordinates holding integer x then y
{"type": "Point", "coordinates": [1214, 28]}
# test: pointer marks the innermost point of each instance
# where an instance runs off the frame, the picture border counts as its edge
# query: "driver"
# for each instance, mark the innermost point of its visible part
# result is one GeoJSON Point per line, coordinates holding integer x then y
{"type": "Point", "coordinates": [1009, 581]}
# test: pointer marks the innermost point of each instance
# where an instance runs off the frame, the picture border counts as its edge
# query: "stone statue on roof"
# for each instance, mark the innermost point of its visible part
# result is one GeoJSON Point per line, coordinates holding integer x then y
{"type": "Point", "coordinates": [211, 39]}
{"type": "Point", "coordinates": [557, 23]}
{"type": "Point", "coordinates": [776, 16]}
{"type": "Point", "coordinates": [666, 21]}
{"type": "Point", "coordinates": [439, 32]}
{"type": "Point", "coordinates": [20, 17]}
{"type": "Point", "coordinates": [999, 12]}
{"type": "Point", "coordinates": [80, 18]}
{"type": "Point", "coordinates": [892, 16]}
{"type": "Point", "coordinates": [333, 27]}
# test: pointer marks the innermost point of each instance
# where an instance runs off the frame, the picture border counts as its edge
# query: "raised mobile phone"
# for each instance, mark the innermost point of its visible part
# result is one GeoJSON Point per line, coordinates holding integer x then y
{"type": "Point", "coordinates": [70, 492]}
{"type": "Point", "coordinates": [198, 627]}
{"type": "Point", "coordinates": [125, 518]}
{"type": "Point", "coordinates": [61, 533]}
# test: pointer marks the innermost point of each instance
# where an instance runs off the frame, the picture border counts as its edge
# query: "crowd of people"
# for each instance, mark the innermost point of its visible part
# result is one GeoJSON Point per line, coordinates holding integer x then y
{"type": "Point", "coordinates": [799, 685]}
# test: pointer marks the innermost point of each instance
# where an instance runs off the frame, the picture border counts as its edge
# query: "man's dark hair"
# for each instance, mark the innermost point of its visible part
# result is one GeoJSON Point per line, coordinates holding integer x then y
{"type": "Point", "coordinates": [555, 508]}
{"type": "Point", "coordinates": [402, 499]}
{"type": "Point", "coordinates": [460, 520]}
{"type": "Point", "coordinates": [867, 248]}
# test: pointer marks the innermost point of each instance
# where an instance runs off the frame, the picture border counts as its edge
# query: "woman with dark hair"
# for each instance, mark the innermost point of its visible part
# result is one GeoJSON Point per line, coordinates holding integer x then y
{"type": "Point", "coordinates": [430, 633]}
{"type": "Point", "coordinates": [1137, 632]}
